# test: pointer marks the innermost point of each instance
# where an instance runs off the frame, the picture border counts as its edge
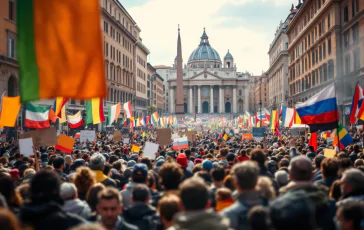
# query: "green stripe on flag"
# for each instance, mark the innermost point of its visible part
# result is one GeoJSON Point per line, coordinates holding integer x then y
{"type": "Point", "coordinates": [89, 119]}
{"type": "Point", "coordinates": [28, 69]}
{"type": "Point", "coordinates": [37, 108]}
{"type": "Point", "coordinates": [109, 119]}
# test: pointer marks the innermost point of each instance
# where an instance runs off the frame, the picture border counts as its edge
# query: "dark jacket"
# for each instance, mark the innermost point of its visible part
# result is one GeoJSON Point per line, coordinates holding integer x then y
{"type": "Point", "coordinates": [317, 176]}
{"type": "Point", "coordinates": [327, 181]}
{"type": "Point", "coordinates": [186, 174]}
{"type": "Point", "coordinates": [62, 175]}
{"type": "Point", "coordinates": [353, 156]}
{"type": "Point", "coordinates": [238, 212]}
{"type": "Point", "coordinates": [206, 219]}
{"type": "Point", "coordinates": [325, 208]}
{"type": "Point", "coordinates": [47, 216]}
{"type": "Point", "coordinates": [143, 216]}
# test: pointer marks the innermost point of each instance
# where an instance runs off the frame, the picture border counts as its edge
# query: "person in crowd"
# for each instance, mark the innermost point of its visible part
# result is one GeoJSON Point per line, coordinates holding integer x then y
{"type": "Point", "coordinates": [140, 213]}
{"type": "Point", "coordinates": [258, 218]}
{"type": "Point", "coordinates": [97, 165]}
{"type": "Point", "coordinates": [352, 185]}
{"type": "Point", "coordinates": [91, 197]}
{"type": "Point", "coordinates": [109, 210]}
{"type": "Point", "coordinates": [317, 171]}
{"type": "Point", "coordinates": [354, 155]}
{"type": "Point", "coordinates": [350, 215]}
{"type": "Point", "coordinates": [224, 198]}
{"type": "Point", "coordinates": [72, 204]}
{"type": "Point", "coordinates": [68, 162]}
{"type": "Point", "coordinates": [188, 153]}
{"type": "Point", "coordinates": [183, 162]}
{"type": "Point", "coordinates": [168, 207]}
{"type": "Point", "coordinates": [195, 201]}
{"type": "Point", "coordinates": [45, 209]}
{"type": "Point", "coordinates": [58, 165]}
{"type": "Point", "coordinates": [265, 187]}
{"type": "Point", "coordinates": [246, 176]}
{"type": "Point", "coordinates": [8, 220]}
{"type": "Point", "coordinates": [12, 197]}
{"type": "Point", "coordinates": [84, 179]}
{"type": "Point", "coordinates": [311, 152]}
{"type": "Point", "coordinates": [171, 176]}
{"type": "Point", "coordinates": [18, 160]}
{"type": "Point", "coordinates": [282, 178]}
{"type": "Point", "coordinates": [329, 170]}
{"type": "Point", "coordinates": [335, 191]}
{"type": "Point", "coordinates": [139, 176]}
{"type": "Point", "coordinates": [217, 176]}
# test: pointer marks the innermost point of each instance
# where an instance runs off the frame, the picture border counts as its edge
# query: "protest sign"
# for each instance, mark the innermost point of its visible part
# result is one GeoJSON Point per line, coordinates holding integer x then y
{"type": "Point", "coordinates": [329, 153]}
{"type": "Point", "coordinates": [258, 133]}
{"type": "Point", "coordinates": [191, 136]}
{"type": "Point", "coordinates": [236, 131]}
{"type": "Point", "coordinates": [117, 136]}
{"type": "Point", "coordinates": [42, 137]}
{"type": "Point", "coordinates": [164, 136]}
{"type": "Point", "coordinates": [26, 146]}
{"type": "Point", "coordinates": [150, 149]}
{"type": "Point", "coordinates": [65, 144]}
{"type": "Point", "coordinates": [126, 140]}
{"type": "Point", "coordinates": [246, 136]}
{"type": "Point", "coordinates": [135, 148]}
{"type": "Point", "coordinates": [89, 135]}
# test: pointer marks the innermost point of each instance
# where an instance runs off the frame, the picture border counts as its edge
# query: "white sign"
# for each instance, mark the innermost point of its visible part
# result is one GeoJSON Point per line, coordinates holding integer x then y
{"type": "Point", "coordinates": [89, 135]}
{"type": "Point", "coordinates": [126, 140]}
{"type": "Point", "coordinates": [175, 136]}
{"type": "Point", "coordinates": [150, 149]}
{"type": "Point", "coordinates": [236, 131]}
{"type": "Point", "coordinates": [26, 146]}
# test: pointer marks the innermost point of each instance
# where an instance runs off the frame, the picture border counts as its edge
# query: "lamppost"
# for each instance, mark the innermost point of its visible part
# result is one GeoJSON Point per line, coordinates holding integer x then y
{"type": "Point", "coordinates": [260, 102]}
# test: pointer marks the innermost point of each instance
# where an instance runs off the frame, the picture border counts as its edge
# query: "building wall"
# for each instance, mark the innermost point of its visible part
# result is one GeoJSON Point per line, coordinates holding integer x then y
{"type": "Point", "coordinates": [163, 71]}
{"type": "Point", "coordinates": [159, 93]}
{"type": "Point", "coordinates": [141, 79]}
{"type": "Point", "coordinates": [261, 92]}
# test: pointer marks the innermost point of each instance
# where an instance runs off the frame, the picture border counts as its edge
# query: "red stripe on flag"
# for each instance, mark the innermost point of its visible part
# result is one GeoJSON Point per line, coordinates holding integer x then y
{"type": "Point", "coordinates": [321, 118]}
{"type": "Point", "coordinates": [63, 149]}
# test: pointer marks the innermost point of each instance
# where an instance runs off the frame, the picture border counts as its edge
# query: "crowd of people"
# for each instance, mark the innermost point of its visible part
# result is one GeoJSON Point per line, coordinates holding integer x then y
{"type": "Point", "coordinates": [274, 184]}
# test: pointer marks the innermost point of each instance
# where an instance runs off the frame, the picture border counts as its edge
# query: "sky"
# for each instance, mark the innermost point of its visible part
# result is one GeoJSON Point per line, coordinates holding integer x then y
{"type": "Point", "coordinates": [245, 27]}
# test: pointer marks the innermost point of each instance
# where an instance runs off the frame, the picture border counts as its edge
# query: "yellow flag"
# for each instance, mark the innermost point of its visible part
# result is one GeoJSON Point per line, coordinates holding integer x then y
{"type": "Point", "coordinates": [225, 137]}
{"type": "Point", "coordinates": [9, 111]}
{"type": "Point", "coordinates": [135, 148]}
{"type": "Point", "coordinates": [63, 117]}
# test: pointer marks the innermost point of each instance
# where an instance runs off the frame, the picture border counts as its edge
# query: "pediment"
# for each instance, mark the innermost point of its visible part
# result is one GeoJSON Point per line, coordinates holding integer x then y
{"type": "Point", "coordinates": [205, 75]}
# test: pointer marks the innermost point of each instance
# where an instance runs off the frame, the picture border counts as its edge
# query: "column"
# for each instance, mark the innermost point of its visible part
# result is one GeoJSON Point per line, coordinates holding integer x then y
{"type": "Point", "coordinates": [171, 100]}
{"type": "Point", "coordinates": [221, 100]}
{"type": "Point", "coordinates": [234, 99]}
{"type": "Point", "coordinates": [246, 98]}
{"type": "Point", "coordinates": [199, 98]}
{"type": "Point", "coordinates": [211, 99]}
{"type": "Point", "coordinates": [190, 106]}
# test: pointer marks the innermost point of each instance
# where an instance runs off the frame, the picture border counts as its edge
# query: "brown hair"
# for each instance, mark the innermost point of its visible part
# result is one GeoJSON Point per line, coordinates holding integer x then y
{"type": "Point", "coordinates": [84, 179]}
{"type": "Point", "coordinates": [329, 167]}
{"type": "Point", "coordinates": [335, 192]}
{"type": "Point", "coordinates": [8, 220]}
{"type": "Point", "coordinates": [168, 206]}
{"type": "Point", "coordinates": [92, 195]}
{"type": "Point", "coordinates": [109, 193]}
{"type": "Point", "coordinates": [223, 194]}
{"type": "Point", "coordinates": [171, 175]}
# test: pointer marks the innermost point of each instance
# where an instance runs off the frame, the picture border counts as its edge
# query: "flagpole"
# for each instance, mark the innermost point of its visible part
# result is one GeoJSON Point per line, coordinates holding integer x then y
{"type": "Point", "coordinates": [337, 118]}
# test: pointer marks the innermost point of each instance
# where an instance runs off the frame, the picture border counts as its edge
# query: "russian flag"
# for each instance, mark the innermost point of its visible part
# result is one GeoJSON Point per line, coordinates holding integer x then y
{"type": "Point", "coordinates": [356, 108]}
{"type": "Point", "coordinates": [320, 111]}
{"type": "Point", "coordinates": [180, 143]}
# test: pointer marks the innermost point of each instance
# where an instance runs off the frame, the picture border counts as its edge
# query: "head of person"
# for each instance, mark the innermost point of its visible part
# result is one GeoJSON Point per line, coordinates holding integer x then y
{"type": "Point", "coordinates": [7, 189]}
{"type": "Point", "coordinates": [329, 167]}
{"type": "Point", "coordinates": [140, 173]}
{"type": "Point", "coordinates": [282, 178]}
{"type": "Point", "coordinates": [223, 153]}
{"type": "Point", "coordinates": [109, 206]}
{"type": "Point", "coordinates": [168, 207]}
{"type": "Point", "coordinates": [245, 176]}
{"type": "Point", "coordinates": [352, 182]}
{"type": "Point", "coordinates": [140, 194]}
{"type": "Point", "coordinates": [265, 187]}
{"type": "Point", "coordinates": [68, 159]}
{"type": "Point", "coordinates": [45, 187]}
{"type": "Point", "coordinates": [358, 162]}
{"type": "Point", "coordinates": [300, 169]}
{"type": "Point", "coordinates": [356, 148]}
{"type": "Point", "coordinates": [218, 174]}
{"type": "Point", "coordinates": [68, 191]}
{"type": "Point", "coordinates": [317, 161]}
{"type": "Point", "coordinates": [171, 175]}
{"type": "Point", "coordinates": [8, 220]}
{"type": "Point", "coordinates": [182, 160]}
{"type": "Point", "coordinates": [58, 163]}
{"type": "Point", "coordinates": [91, 197]}
{"type": "Point", "coordinates": [311, 149]}
{"type": "Point", "coordinates": [97, 162]}
{"type": "Point", "coordinates": [258, 156]}
{"type": "Point", "coordinates": [258, 218]}
{"type": "Point", "coordinates": [84, 179]}
{"type": "Point", "coordinates": [350, 215]}
{"type": "Point", "coordinates": [335, 191]}
{"type": "Point", "coordinates": [194, 195]}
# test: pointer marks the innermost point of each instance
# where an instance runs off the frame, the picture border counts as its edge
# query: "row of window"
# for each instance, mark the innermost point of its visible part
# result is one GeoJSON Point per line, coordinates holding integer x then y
{"type": "Point", "coordinates": [141, 87]}
{"type": "Point", "coordinates": [140, 74]}
{"type": "Point", "coordinates": [116, 96]}
{"type": "Point", "coordinates": [355, 36]}
{"type": "Point", "coordinates": [354, 10]}
{"type": "Point", "coordinates": [356, 61]}
{"type": "Point", "coordinates": [141, 61]}
{"type": "Point", "coordinates": [114, 73]}
{"type": "Point", "coordinates": [116, 35]}
{"type": "Point", "coordinates": [115, 55]}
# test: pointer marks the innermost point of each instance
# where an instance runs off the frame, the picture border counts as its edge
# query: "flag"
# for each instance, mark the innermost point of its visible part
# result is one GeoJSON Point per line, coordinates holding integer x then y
{"type": "Point", "coordinates": [146, 120]}
{"type": "Point", "coordinates": [356, 104]}
{"type": "Point", "coordinates": [127, 109]}
{"type": "Point", "coordinates": [225, 137]}
{"type": "Point", "coordinates": [75, 121]}
{"type": "Point", "coordinates": [9, 111]}
{"type": "Point", "coordinates": [320, 111]}
{"type": "Point", "coordinates": [231, 133]}
{"type": "Point", "coordinates": [94, 111]}
{"type": "Point", "coordinates": [37, 116]}
{"type": "Point", "coordinates": [65, 144]}
{"type": "Point", "coordinates": [52, 116]}
{"type": "Point", "coordinates": [313, 140]}
{"type": "Point", "coordinates": [287, 116]}
{"type": "Point", "coordinates": [59, 49]}
{"type": "Point", "coordinates": [296, 118]}
{"type": "Point", "coordinates": [59, 103]}
{"type": "Point", "coordinates": [155, 118]}
{"type": "Point", "coordinates": [132, 123]}
{"type": "Point", "coordinates": [273, 119]}
{"type": "Point", "coordinates": [340, 134]}
{"type": "Point", "coordinates": [113, 113]}
{"type": "Point", "coordinates": [180, 143]}
{"type": "Point", "coordinates": [124, 121]}
{"type": "Point", "coordinates": [135, 148]}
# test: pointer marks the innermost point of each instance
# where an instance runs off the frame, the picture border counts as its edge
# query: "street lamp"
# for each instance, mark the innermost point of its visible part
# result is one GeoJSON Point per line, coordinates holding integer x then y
{"type": "Point", "coordinates": [260, 103]}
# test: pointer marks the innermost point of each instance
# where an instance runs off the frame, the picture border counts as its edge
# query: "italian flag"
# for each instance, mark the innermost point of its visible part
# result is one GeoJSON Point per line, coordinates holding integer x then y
{"type": "Point", "coordinates": [37, 116]}
{"type": "Point", "coordinates": [59, 49]}
{"type": "Point", "coordinates": [95, 111]}
{"type": "Point", "coordinates": [113, 113]}
{"type": "Point", "coordinates": [75, 121]}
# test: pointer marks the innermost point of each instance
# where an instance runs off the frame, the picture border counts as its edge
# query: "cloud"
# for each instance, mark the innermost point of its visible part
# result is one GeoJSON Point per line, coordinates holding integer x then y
{"type": "Point", "coordinates": [133, 3]}
{"type": "Point", "coordinates": [226, 27]}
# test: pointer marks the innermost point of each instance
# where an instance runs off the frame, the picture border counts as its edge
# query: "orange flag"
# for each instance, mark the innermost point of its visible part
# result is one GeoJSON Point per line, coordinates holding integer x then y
{"type": "Point", "coordinates": [9, 111]}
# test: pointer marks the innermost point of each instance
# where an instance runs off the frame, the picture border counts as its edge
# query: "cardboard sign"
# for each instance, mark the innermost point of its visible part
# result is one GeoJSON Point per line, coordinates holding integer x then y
{"type": "Point", "coordinates": [150, 149]}
{"type": "Point", "coordinates": [164, 136]}
{"type": "Point", "coordinates": [26, 146]}
{"type": "Point", "coordinates": [329, 153]}
{"type": "Point", "coordinates": [42, 137]}
{"type": "Point", "coordinates": [247, 136]}
{"type": "Point", "coordinates": [65, 143]}
{"type": "Point", "coordinates": [89, 135]}
{"type": "Point", "coordinates": [117, 136]}
{"type": "Point", "coordinates": [191, 136]}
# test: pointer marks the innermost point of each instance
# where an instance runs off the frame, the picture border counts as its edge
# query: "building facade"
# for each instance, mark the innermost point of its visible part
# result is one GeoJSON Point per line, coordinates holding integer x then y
{"type": "Point", "coordinates": [278, 65]}
{"type": "Point", "coordinates": [163, 71]}
{"type": "Point", "coordinates": [210, 85]}
{"type": "Point", "coordinates": [141, 100]}
{"type": "Point", "coordinates": [261, 92]}
{"type": "Point", "coordinates": [159, 91]}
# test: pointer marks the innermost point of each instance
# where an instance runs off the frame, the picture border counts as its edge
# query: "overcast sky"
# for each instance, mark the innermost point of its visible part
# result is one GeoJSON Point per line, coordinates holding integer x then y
{"type": "Point", "coordinates": [246, 27]}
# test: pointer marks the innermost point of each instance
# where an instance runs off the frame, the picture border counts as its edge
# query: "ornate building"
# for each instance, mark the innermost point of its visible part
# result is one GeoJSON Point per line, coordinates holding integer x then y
{"type": "Point", "coordinates": [210, 85]}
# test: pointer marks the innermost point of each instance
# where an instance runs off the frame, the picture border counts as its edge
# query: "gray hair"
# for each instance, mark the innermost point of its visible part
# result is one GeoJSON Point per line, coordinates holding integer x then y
{"type": "Point", "coordinates": [300, 168]}
{"type": "Point", "coordinates": [68, 159]}
{"type": "Point", "coordinates": [68, 191]}
{"type": "Point", "coordinates": [355, 178]}
{"type": "Point", "coordinates": [282, 178]}
{"type": "Point", "coordinates": [97, 162]}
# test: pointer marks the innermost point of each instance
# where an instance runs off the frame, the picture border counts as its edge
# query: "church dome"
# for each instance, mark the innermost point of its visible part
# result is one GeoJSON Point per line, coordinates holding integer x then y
{"type": "Point", "coordinates": [204, 51]}
{"type": "Point", "coordinates": [228, 55]}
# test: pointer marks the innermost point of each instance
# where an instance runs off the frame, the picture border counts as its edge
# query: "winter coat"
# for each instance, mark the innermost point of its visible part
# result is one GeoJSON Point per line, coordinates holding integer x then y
{"type": "Point", "coordinates": [126, 194]}
{"type": "Point", "coordinates": [47, 216]}
{"type": "Point", "coordinates": [102, 178]}
{"type": "Point", "coordinates": [78, 207]}
{"type": "Point", "coordinates": [143, 216]}
{"type": "Point", "coordinates": [206, 219]}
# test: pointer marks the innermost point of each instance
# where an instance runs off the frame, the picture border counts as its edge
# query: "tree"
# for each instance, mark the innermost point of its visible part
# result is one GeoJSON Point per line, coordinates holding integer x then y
{"type": "Point", "coordinates": [151, 109]}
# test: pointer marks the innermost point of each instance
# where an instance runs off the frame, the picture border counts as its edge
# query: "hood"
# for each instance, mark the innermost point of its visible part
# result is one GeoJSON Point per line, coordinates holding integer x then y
{"type": "Point", "coordinates": [317, 194]}
{"type": "Point", "coordinates": [74, 206]}
{"type": "Point", "coordinates": [137, 211]}
{"type": "Point", "coordinates": [30, 213]}
{"type": "Point", "coordinates": [206, 219]}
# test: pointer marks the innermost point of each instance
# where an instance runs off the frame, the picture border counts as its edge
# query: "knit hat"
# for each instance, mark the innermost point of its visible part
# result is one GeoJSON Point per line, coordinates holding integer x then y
{"type": "Point", "coordinates": [207, 165]}
{"type": "Point", "coordinates": [198, 161]}
{"type": "Point", "coordinates": [182, 160]}
{"type": "Point", "coordinates": [14, 173]}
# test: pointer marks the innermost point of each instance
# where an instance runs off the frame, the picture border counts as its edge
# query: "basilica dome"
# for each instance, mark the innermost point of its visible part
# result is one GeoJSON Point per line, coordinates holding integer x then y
{"type": "Point", "coordinates": [204, 52]}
